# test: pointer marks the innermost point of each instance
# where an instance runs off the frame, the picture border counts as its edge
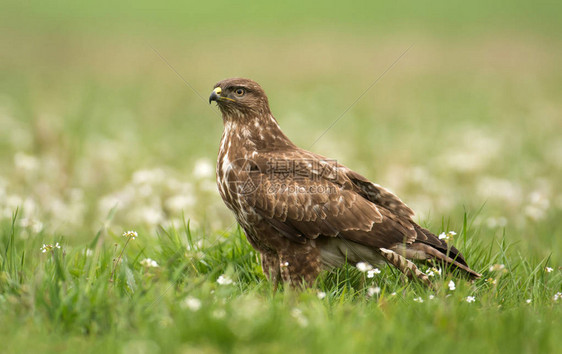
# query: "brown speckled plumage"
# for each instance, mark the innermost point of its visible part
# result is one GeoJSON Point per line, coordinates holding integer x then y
{"type": "Point", "coordinates": [303, 212]}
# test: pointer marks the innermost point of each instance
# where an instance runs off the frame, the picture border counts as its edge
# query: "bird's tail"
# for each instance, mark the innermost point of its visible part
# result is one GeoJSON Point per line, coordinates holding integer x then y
{"type": "Point", "coordinates": [434, 254]}
{"type": "Point", "coordinates": [429, 247]}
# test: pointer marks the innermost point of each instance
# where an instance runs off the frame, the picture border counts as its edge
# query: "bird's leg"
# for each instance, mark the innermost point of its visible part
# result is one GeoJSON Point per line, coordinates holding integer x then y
{"type": "Point", "coordinates": [270, 267]}
{"type": "Point", "coordinates": [300, 268]}
{"type": "Point", "coordinates": [405, 266]}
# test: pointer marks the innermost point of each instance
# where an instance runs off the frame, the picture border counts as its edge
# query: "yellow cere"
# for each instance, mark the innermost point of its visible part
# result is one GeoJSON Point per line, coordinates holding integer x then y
{"type": "Point", "coordinates": [217, 90]}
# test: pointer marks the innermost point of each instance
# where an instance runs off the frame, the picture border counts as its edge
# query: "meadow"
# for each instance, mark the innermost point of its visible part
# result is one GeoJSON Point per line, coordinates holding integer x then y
{"type": "Point", "coordinates": [113, 236]}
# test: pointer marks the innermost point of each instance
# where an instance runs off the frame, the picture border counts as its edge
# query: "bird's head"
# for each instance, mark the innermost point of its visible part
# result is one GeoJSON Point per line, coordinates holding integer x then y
{"type": "Point", "coordinates": [239, 97]}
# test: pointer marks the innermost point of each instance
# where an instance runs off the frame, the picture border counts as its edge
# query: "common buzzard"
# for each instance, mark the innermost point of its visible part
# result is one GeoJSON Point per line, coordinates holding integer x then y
{"type": "Point", "coordinates": [304, 212]}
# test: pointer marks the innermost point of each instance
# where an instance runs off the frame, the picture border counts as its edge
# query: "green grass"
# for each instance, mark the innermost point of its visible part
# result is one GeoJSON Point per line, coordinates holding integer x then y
{"type": "Point", "coordinates": [64, 300]}
{"type": "Point", "coordinates": [99, 136]}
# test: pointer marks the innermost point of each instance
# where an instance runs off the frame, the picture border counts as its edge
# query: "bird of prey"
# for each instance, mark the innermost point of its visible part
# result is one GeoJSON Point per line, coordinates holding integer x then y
{"type": "Point", "coordinates": [304, 212]}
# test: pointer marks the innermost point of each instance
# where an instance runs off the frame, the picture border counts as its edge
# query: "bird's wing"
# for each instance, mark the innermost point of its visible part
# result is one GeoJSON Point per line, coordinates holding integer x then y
{"type": "Point", "coordinates": [388, 200]}
{"type": "Point", "coordinates": [377, 194]}
{"type": "Point", "coordinates": [304, 197]}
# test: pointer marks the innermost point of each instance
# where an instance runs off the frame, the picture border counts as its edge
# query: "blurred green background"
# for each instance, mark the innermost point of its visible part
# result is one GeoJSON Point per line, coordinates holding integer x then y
{"type": "Point", "coordinates": [470, 118]}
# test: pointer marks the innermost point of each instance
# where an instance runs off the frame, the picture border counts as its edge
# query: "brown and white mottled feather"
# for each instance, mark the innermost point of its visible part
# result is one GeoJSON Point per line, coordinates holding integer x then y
{"type": "Point", "coordinates": [303, 212]}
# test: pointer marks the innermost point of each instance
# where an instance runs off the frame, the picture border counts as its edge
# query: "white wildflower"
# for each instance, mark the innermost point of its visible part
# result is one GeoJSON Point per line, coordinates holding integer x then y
{"type": "Point", "coordinates": [152, 215]}
{"type": "Point", "coordinates": [474, 152]}
{"type": "Point", "coordinates": [418, 299]}
{"type": "Point", "coordinates": [538, 206]}
{"type": "Point", "coordinates": [321, 295]}
{"type": "Point", "coordinates": [393, 294]}
{"type": "Point", "coordinates": [26, 163]}
{"type": "Point", "coordinates": [35, 225]}
{"type": "Point", "coordinates": [363, 267]}
{"type": "Point", "coordinates": [528, 301]}
{"type": "Point", "coordinates": [153, 176]}
{"type": "Point", "coordinates": [548, 269]}
{"type": "Point", "coordinates": [432, 271]}
{"type": "Point", "coordinates": [535, 213]}
{"type": "Point", "coordinates": [497, 267]}
{"type": "Point", "coordinates": [191, 303]}
{"type": "Point", "coordinates": [284, 264]}
{"type": "Point", "coordinates": [374, 291]}
{"type": "Point", "coordinates": [491, 281]}
{"type": "Point", "coordinates": [500, 189]}
{"type": "Point", "coordinates": [131, 234]}
{"type": "Point", "coordinates": [149, 263]}
{"type": "Point", "coordinates": [203, 169]}
{"type": "Point", "coordinates": [180, 202]}
{"type": "Point", "coordinates": [219, 313]}
{"type": "Point", "coordinates": [557, 296]}
{"type": "Point", "coordinates": [371, 273]}
{"type": "Point", "coordinates": [447, 236]}
{"type": "Point", "coordinates": [196, 246]}
{"type": "Point", "coordinates": [13, 201]}
{"type": "Point", "coordinates": [431, 297]}
{"type": "Point", "coordinates": [470, 299]}
{"type": "Point", "coordinates": [297, 315]}
{"type": "Point", "coordinates": [45, 248]}
{"type": "Point", "coordinates": [493, 223]}
{"type": "Point", "coordinates": [224, 280]}
{"type": "Point", "coordinates": [452, 285]}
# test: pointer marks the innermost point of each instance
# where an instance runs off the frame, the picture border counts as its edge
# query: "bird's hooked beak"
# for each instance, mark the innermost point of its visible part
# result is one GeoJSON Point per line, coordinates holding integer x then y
{"type": "Point", "coordinates": [215, 95]}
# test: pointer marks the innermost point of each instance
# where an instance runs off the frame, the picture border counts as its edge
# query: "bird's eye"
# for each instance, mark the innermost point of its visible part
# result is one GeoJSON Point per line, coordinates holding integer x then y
{"type": "Point", "coordinates": [240, 92]}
